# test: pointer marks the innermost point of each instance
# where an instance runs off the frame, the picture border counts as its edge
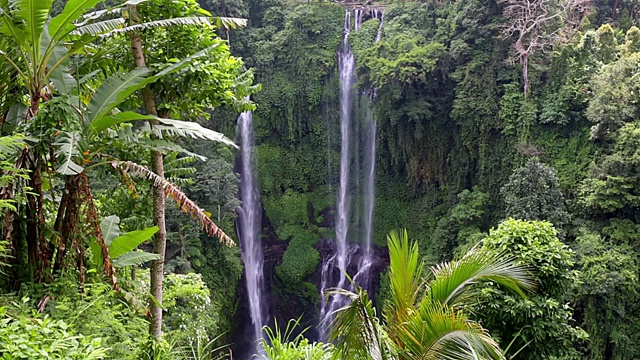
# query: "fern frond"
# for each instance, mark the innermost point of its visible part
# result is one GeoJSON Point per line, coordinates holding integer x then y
{"type": "Point", "coordinates": [172, 191]}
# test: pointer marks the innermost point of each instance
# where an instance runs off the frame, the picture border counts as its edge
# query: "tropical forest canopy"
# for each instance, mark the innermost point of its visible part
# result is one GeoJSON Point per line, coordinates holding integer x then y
{"type": "Point", "coordinates": [507, 147]}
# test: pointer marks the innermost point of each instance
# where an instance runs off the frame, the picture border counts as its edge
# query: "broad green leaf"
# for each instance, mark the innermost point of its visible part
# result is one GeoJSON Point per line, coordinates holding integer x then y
{"type": "Point", "coordinates": [34, 14]}
{"type": "Point", "coordinates": [106, 122]}
{"type": "Point", "coordinates": [72, 11]}
{"type": "Point", "coordinates": [134, 258]}
{"type": "Point", "coordinates": [110, 229]}
{"type": "Point", "coordinates": [193, 130]}
{"type": "Point", "coordinates": [120, 86]}
{"type": "Point", "coordinates": [67, 150]}
{"type": "Point", "coordinates": [96, 251]}
{"type": "Point", "coordinates": [57, 65]}
{"type": "Point", "coordinates": [114, 90]}
{"type": "Point", "coordinates": [125, 243]}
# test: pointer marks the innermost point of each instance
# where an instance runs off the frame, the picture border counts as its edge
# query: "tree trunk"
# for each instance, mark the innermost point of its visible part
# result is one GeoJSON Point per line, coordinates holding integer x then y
{"type": "Point", "coordinates": [525, 74]}
{"type": "Point", "coordinates": [157, 166]}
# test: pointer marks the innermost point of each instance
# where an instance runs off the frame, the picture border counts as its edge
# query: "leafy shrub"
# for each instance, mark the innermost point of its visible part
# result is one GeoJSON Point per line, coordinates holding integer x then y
{"type": "Point", "coordinates": [543, 322]}
{"type": "Point", "coordinates": [280, 346]}
{"type": "Point", "coordinates": [28, 335]}
{"type": "Point", "coordinates": [188, 314]}
{"type": "Point", "coordinates": [101, 312]}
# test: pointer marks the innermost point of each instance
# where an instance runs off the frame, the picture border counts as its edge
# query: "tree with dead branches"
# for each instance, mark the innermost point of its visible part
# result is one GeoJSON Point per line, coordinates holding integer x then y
{"type": "Point", "coordinates": [539, 25]}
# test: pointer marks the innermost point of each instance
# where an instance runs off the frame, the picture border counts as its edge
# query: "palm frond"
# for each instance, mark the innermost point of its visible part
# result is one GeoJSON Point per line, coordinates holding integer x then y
{"type": "Point", "coordinates": [184, 203]}
{"type": "Point", "coordinates": [355, 329]}
{"type": "Point", "coordinates": [190, 129]}
{"type": "Point", "coordinates": [437, 332]}
{"type": "Point", "coordinates": [454, 279]}
{"type": "Point", "coordinates": [229, 22]}
{"type": "Point", "coordinates": [406, 272]}
{"type": "Point", "coordinates": [185, 21]}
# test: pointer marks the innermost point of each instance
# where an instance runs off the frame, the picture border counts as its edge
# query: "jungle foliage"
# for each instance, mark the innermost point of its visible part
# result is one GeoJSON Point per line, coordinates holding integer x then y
{"type": "Point", "coordinates": [471, 158]}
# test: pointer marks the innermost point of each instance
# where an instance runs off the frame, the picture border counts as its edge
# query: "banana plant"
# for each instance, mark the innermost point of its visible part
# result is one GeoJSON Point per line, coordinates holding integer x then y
{"type": "Point", "coordinates": [74, 148]}
{"type": "Point", "coordinates": [122, 246]}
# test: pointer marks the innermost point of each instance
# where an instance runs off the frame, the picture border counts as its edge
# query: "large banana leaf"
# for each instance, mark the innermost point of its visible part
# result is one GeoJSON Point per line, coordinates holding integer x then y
{"type": "Point", "coordinates": [191, 129]}
{"type": "Point", "coordinates": [72, 11]}
{"type": "Point", "coordinates": [110, 228]}
{"type": "Point", "coordinates": [33, 15]}
{"type": "Point", "coordinates": [57, 65]}
{"type": "Point", "coordinates": [120, 86]}
{"type": "Point", "coordinates": [114, 90]}
{"type": "Point", "coordinates": [103, 123]}
{"type": "Point", "coordinates": [125, 243]}
{"type": "Point", "coordinates": [134, 258]}
{"type": "Point", "coordinates": [67, 150]}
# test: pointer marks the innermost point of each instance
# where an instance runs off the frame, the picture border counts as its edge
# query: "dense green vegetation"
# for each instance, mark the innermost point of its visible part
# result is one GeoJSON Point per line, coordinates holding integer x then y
{"type": "Point", "coordinates": [526, 154]}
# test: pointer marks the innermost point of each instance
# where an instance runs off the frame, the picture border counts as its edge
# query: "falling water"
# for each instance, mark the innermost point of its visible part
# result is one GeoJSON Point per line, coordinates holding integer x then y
{"type": "Point", "coordinates": [357, 259]}
{"type": "Point", "coordinates": [362, 278]}
{"type": "Point", "coordinates": [358, 17]}
{"type": "Point", "coordinates": [346, 68]}
{"type": "Point", "coordinates": [249, 229]}
{"type": "Point", "coordinates": [380, 16]}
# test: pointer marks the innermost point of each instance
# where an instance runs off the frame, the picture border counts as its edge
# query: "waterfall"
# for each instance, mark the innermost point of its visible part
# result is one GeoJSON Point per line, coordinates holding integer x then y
{"type": "Point", "coordinates": [357, 162]}
{"type": "Point", "coordinates": [380, 16]}
{"type": "Point", "coordinates": [346, 68]}
{"type": "Point", "coordinates": [249, 229]}
{"type": "Point", "coordinates": [362, 278]}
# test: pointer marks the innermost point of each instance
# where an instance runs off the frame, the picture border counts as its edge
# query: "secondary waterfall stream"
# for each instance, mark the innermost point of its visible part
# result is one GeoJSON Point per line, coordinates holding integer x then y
{"type": "Point", "coordinates": [356, 138]}
{"type": "Point", "coordinates": [249, 229]}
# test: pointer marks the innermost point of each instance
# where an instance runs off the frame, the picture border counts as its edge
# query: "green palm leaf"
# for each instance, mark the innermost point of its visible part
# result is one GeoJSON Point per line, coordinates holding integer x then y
{"type": "Point", "coordinates": [100, 27]}
{"type": "Point", "coordinates": [437, 332]}
{"type": "Point", "coordinates": [454, 279]}
{"type": "Point", "coordinates": [406, 273]}
{"type": "Point", "coordinates": [191, 129]}
{"type": "Point", "coordinates": [355, 329]}
{"type": "Point", "coordinates": [186, 21]}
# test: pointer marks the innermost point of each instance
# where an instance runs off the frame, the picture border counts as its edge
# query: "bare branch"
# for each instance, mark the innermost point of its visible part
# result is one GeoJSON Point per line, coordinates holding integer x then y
{"type": "Point", "coordinates": [538, 25]}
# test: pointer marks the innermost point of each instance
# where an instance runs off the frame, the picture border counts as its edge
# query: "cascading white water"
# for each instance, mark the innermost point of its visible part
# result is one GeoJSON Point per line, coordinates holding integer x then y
{"type": "Point", "coordinates": [362, 277]}
{"type": "Point", "coordinates": [346, 68]}
{"type": "Point", "coordinates": [249, 229]}
{"type": "Point", "coordinates": [380, 16]}
{"type": "Point", "coordinates": [355, 258]}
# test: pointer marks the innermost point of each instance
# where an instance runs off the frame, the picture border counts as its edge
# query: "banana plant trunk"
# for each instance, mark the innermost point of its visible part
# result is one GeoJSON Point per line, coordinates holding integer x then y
{"type": "Point", "coordinates": [157, 166]}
